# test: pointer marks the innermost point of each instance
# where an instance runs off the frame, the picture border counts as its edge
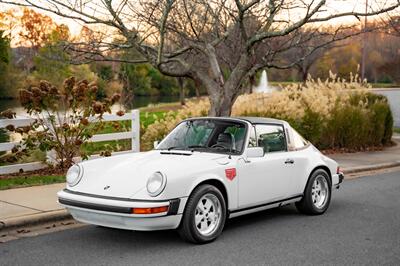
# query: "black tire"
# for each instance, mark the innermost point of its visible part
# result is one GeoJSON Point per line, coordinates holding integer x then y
{"type": "Point", "coordinates": [308, 204]}
{"type": "Point", "coordinates": [188, 229]}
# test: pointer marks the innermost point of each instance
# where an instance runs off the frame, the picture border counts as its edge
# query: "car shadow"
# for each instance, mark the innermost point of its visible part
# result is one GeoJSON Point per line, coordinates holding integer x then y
{"type": "Point", "coordinates": [270, 215]}
{"type": "Point", "coordinates": [141, 240]}
{"type": "Point", "coordinates": [164, 237]}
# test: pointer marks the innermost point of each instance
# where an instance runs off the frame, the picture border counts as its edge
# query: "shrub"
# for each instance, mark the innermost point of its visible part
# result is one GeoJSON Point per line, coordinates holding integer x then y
{"type": "Point", "coordinates": [332, 114]}
{"type": "Point", "coordinates": [65, 119]}
{"type": "Point", "coordinates": [161, 127]}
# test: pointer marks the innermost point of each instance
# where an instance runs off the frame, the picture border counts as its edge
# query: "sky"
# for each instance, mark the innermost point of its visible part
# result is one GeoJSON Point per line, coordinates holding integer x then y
{"type": "Point", "coordinates": [332, 6]}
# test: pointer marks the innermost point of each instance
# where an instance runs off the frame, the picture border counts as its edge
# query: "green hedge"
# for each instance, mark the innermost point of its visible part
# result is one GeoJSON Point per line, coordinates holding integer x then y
{"type": "Point", "coordinates": [364, 122]}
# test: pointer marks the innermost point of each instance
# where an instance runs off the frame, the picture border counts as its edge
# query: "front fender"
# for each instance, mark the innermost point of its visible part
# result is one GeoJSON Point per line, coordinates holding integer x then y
{"type": "Point", "coordinates": [183, 186]}
{"type": "Point", "coordinates": [231, 187]}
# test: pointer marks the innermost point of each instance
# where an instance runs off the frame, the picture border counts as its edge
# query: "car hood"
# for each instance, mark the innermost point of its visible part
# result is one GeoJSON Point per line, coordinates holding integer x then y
{"type": "Point", "coordinates": [124, 175]}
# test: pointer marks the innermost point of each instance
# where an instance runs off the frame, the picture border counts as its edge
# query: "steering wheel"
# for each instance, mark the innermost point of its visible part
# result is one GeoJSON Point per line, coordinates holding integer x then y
{"type": "Point", "coordinates": [218, 146]}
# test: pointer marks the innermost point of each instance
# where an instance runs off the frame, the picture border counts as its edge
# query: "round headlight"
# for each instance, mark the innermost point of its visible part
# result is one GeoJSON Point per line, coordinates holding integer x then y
{"type": "Point", "coordinates": [74, 175]}
{"type": "Point", "coordinates": [156, 184]}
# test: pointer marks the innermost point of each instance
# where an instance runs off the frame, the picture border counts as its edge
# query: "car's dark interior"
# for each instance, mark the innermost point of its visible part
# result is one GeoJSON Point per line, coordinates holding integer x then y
{"type": "Point", "coordinates": [213, 135]}
{"type": "Point", "coordinates": [226, 140]}
{"type": "Point", "coordinates": [227, 136]}
{"type": "Point", "coordinates": [272, 142]}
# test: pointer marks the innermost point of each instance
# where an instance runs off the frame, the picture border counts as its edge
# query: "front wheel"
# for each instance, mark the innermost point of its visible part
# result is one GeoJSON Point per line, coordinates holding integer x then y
{"type": "Point", "coordinates": [204, 216]}
{"type": "Point", "coordinates": [317, 195]}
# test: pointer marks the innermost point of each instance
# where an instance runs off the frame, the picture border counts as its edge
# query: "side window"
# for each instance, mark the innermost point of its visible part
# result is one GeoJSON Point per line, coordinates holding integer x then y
{"type": "Point", "coordinates": [252, 139]}
{"type": "Point", "coordinates": [238, 134]}
{"type": "Point", "coordinates": [271, 138]}
{"type": "Point", "coordinates": [298, 141]}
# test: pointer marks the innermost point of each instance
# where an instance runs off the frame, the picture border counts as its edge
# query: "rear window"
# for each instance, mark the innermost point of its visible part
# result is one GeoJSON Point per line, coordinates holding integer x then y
{"type": "Point", "coordinates": [298, 141]}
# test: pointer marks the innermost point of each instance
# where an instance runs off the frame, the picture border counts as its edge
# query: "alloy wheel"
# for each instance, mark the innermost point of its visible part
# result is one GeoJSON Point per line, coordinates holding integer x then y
{"type": "Point", "coordinates": [208, 214]}
{"type": "Point", "coordinates": [319, 191]}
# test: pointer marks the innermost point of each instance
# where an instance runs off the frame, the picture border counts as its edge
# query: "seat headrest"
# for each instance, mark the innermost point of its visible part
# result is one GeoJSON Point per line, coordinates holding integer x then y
{"type": "Point", "coordinates": [224, 138]}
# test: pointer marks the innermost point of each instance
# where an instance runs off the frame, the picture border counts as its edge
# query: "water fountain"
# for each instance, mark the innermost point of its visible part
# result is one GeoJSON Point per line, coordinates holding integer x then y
{"type": "Point", "coordinates": [263, 85]}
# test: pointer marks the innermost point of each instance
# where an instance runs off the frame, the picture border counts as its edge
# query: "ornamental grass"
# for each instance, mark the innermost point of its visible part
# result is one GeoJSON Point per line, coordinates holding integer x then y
{"type": "Point", "coordinates": [332, 114]}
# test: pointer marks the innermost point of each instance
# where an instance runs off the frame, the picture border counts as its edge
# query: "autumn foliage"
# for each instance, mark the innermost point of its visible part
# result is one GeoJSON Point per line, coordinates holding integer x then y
{"type": "Point", "coordinates": [65, 118]}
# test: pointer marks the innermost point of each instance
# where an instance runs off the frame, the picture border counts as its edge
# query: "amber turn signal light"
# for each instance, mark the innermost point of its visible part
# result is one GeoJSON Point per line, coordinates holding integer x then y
{"type": "Point", "coordinates": [338, 170]}
{"type": "Point", "coordinates": [149, 210]}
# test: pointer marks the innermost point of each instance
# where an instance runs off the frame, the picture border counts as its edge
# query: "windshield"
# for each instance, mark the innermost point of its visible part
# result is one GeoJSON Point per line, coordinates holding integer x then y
{"type": "Point", "coordinates": [221, 136]}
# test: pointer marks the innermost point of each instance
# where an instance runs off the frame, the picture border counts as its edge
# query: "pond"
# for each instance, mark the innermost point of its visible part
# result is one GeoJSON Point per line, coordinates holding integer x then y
{"type": "Point", "coordinates": [139, 101]}
{"type": "Point", "coordinates": [393, 96]}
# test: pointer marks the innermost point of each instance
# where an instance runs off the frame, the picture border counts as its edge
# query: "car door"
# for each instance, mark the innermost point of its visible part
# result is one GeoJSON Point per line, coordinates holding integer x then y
{"type": "Point", "coordinates": [299, 152]}
{"type": "Point", "coordinates": [268, 178]}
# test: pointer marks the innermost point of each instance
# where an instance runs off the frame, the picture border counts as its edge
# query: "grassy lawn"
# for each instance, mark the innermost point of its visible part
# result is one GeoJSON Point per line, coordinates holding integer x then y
{"type": "Point", "coordinates": [146, 118]}
{"type": "Point", "coordinates": [15, 182]}
{"type": "Point", "coordinates": [396, 130]}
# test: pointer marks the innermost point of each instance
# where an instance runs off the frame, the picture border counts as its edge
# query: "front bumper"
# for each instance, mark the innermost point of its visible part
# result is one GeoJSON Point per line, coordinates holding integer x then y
{"type": "Point", "coordinates": [117, 212]}
{"type": "Point", "coordinates": [341, 177]}
{"type": "Point", "coordinates": [337, 179]}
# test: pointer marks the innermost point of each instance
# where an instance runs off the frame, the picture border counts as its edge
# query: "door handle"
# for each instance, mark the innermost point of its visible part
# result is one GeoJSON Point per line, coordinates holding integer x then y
{"type": "Point", "coordinates": [289, 161]}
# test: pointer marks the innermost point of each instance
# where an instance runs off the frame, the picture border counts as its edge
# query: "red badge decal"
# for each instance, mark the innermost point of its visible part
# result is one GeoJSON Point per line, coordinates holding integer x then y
{"type": "Point", "coordinates": [230, 173]}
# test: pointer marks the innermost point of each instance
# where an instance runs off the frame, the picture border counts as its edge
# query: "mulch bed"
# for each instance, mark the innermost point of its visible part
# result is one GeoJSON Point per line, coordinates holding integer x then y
{"type": "Point", "coordinates": [42, 172]}
{"type": "Point", "coordinates": [346, 150]}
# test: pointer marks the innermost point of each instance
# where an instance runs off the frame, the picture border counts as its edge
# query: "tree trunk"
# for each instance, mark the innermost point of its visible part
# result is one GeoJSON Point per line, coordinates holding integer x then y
{"type": "Point", "coordinates": [181, 91]}
{"type": "Point", "coordinates": [221, 103]}
{"type": "Point", "coordinates": [220, 108]}
{"type": "Point", "coordinates": [197, 85]}
{"type": "Point", "coordinates": [223, 98]}
{"type": "Point", "coordinates": [127, 94]}
{"type": "Point", "coordinates": [304, 70]}
{"type": "Point", "coordinates": [223, 92]}
{"type": "Point", "coordinates": [252, 81]}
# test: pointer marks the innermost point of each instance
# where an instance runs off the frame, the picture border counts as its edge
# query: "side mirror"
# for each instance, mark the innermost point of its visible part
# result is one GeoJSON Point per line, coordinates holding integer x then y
{"type": "Point", "coordinates": [155, 144]}
{"type": "Point", "coordinates": [255, 152]}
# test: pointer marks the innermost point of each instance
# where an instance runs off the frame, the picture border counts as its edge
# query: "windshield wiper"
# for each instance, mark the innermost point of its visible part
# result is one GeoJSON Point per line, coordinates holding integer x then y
{"type": "Point", "coordinates": [187, 147]}
{"type": "Point", "coordinates": [197, 146]}
{"type": "Point", "coordinates": [176, 148]}
{"type": "Point", "coordinates": [193, 147]}
{"type": "Point", "coordinates": [226, 149]}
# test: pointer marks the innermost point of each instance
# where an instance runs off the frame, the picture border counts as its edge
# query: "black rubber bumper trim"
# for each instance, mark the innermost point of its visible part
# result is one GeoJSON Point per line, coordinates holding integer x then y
{"type": "Point", "coordinates": [93, 206]}
{"type": "Point", "coordinates": [172, 209]}
{"type": "Point", "coordinates": [341, 177]}
{"type": "Point", "coordinates": [266, 204]}
{"type": "Point", "coordinates": [108, 197]}
{"type": "Point", "coordinates": [173, 206]}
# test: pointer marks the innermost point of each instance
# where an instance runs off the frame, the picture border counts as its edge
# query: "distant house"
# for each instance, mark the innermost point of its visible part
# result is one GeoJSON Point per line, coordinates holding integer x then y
{"type": "Point", "coordinates": [22, 57]}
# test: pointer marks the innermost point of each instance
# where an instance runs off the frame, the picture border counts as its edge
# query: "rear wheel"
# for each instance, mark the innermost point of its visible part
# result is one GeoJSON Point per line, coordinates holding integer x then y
{"type": "Point", "coordinates": [317, 195]}
{"type": "Point", "coordinates": [204, 216]}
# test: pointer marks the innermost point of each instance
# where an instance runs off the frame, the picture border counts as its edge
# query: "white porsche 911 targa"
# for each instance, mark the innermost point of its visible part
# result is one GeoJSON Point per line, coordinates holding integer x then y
{"type": "Point", "coordinates": [205, 171]}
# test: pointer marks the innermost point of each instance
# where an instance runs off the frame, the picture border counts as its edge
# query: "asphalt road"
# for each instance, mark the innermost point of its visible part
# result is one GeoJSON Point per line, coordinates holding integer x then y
{"type": "Point", "coordinates": [362, 226]}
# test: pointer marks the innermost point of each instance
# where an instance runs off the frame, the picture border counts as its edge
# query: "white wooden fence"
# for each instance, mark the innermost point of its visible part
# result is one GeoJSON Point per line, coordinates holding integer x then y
{"type": "Point", "coordinates": [134, 135]}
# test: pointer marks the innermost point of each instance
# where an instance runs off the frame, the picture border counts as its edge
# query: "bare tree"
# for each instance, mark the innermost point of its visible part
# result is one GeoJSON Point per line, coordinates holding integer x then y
{"type": "Point", "coordinates": [218, 43]}
{"type": "Point", "coordinates": [311, 49]}
{"type": "Point", "coordinates": [393, 26]}
{"type": "Point", "coordinates": [390, 48]}
{"type": "Point", "coordinates": [181, 83]}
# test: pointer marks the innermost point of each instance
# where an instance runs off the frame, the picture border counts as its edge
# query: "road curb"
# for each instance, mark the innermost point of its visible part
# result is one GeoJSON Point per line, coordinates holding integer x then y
{"type": "Point", "coordinates": [358, 169]}
{"type": "Point", "coordinates": [33, 219]}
